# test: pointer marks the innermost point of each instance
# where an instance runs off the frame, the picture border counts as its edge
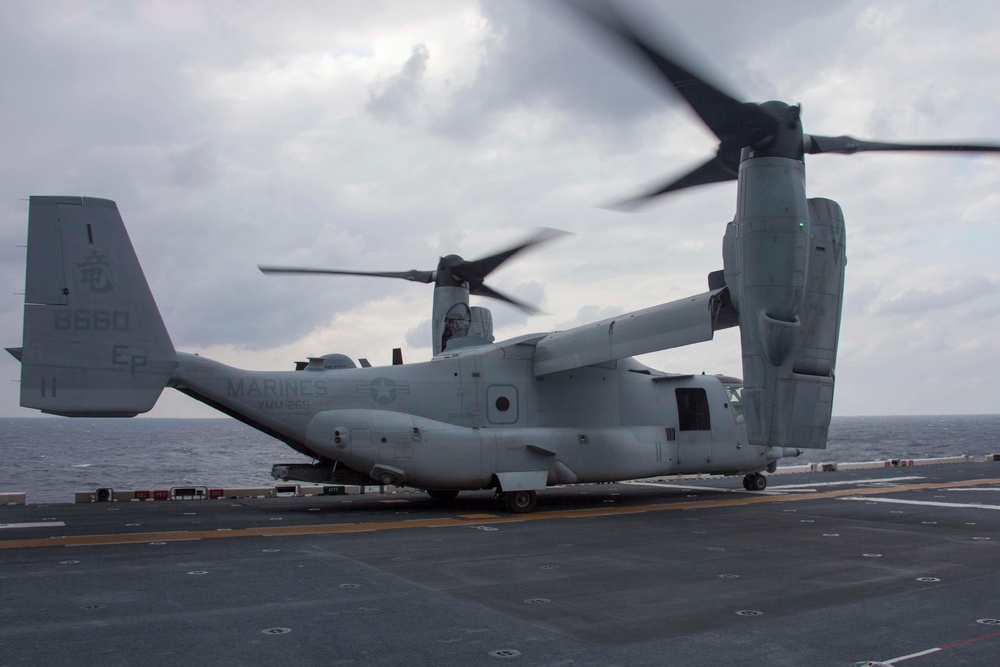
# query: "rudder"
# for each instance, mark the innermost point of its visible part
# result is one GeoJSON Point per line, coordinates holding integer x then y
{"type": "Point", "coordinates": [94, 342]}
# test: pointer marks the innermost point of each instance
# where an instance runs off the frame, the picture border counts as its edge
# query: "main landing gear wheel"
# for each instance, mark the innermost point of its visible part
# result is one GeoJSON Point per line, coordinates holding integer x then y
{"type": "Point", "coordinates": [755, 482]}
{"type": "Point", "coordinates": [519, 502]}
{"type": "Point", "coordinates": [442, 495]}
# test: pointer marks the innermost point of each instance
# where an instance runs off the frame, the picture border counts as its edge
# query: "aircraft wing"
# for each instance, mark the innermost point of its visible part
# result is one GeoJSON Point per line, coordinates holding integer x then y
{"type": "Point", "coordinates": [690, 320]}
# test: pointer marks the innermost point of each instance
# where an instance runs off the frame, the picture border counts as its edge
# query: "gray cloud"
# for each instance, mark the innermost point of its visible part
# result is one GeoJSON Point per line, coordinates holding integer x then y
{"type": "Point", "coordinates": [317, 135]}
{"type": "Point", "coordinates": [915, 301]}
{"type": "Point", "coordinates": [195, 166]}
{"type": "Point", "coordinates": [394, 98]}
{"type": "Point", "coordinates": [546, 57]}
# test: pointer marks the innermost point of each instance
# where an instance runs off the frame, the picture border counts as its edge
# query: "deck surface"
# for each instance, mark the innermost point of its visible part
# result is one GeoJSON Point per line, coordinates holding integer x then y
{"type": "Point", "coordinates": [832, 568]}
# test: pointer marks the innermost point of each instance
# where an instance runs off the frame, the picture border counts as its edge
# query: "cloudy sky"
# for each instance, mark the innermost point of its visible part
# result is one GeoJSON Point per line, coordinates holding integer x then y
{"type": "Point", "coordinates": [382, 134]}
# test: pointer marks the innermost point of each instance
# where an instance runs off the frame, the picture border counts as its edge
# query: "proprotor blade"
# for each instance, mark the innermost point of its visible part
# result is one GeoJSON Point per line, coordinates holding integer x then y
{"type": "Point", "coordinates": [815, 143]}
{"type": "Point", "coordinates": [413, 275]}
{"type": "Point", "coordinates": [451, 271]}
{"type": "Point", "coordinates": [475, 271]}
{"type": "Point", "coordinates": [715, 170]}
{"type": "Point", "coordinates": [736, 124]}
{"type": "Point", "coordinates": [487, 291]}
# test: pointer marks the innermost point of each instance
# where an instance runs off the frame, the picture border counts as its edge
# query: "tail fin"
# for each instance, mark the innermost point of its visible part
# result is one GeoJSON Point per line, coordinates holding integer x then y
{"type": "Point", "coordinates": [94, 342]}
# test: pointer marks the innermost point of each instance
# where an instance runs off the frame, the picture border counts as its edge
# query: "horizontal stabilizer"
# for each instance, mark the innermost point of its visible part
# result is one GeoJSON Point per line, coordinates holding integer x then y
{"type": "Point", "coordinates": [94, 342]}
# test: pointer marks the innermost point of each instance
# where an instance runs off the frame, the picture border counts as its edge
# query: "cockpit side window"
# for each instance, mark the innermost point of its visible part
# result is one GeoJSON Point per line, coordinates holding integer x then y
{"type": "Point", "coordinates": [735, 394]}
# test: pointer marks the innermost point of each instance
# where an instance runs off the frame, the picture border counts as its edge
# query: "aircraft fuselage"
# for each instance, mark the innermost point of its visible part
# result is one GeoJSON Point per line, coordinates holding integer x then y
{"type": "Point", "coordinates": [479, 417]}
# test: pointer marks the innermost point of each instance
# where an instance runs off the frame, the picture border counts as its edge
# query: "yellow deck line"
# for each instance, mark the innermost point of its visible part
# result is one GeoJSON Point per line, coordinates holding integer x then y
{"type": "Point", "coordinates": [347, 528]}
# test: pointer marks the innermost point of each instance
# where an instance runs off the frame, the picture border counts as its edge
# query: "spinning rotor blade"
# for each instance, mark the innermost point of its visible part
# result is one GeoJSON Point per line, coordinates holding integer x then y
{"type": "Point", "coordinates": [715, 170]}
{"type": "Point", "coordinates": [487, 291]}
{"type": "Point", "coordinates": [770, 129]}
{"type": "Point", "coordinates": [413, 275]}
{"type": "Point", "coordinates": [736, 124]}
{"type": "Point", "coordinates": [452, 270]}
{"type": "Point", "coordinates": [474, 272]}
{"type": "Point", "coordinates": [816, 143]}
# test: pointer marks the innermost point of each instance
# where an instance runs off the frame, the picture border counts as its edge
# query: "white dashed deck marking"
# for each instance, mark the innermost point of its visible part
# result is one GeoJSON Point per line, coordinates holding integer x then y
{"type": "Point", "coordinates": [926, 503]}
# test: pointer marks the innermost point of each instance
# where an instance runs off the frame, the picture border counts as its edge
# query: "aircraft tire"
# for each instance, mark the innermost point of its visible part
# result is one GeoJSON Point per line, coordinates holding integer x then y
{"type": "Point", "coordinates": [746, 482]}
{"type": "Point", "coordinates": [758, 482]}
{"type": "Point", "coordinates": [519, 502]}
{"type": "Point", "coordinates": [442, 495]}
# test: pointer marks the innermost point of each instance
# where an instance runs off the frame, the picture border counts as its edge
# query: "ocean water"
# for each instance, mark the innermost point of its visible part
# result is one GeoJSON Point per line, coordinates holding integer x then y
{"type": "Point", "coordinates": [50, 459]}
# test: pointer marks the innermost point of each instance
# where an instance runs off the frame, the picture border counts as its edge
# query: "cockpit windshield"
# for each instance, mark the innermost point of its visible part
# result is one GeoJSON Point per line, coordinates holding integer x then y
{"type": "Point", "coordinates": [735, 394]}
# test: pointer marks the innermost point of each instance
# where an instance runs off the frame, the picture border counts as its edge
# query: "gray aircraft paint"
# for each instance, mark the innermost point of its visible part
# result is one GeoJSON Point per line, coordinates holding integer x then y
{"type": "Point", "coordinates": [475, 416]}
{"type": "Point", "coordinates": [94, 339]}
{"type": "Point", "coordinates": [562, 407]}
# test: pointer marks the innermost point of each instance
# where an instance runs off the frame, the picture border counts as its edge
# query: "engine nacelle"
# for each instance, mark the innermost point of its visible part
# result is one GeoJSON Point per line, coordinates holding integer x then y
{"type": "Point", "coordinates": [784, 259]}
{"type": "Point", "coordinates": [482, 323]}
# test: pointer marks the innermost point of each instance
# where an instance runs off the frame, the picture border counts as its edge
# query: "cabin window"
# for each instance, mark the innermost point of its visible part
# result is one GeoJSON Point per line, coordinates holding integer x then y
{"type": "Point", "coordinates": [501, 406]}
{"type": "Point", "coordinates": [692, 410]}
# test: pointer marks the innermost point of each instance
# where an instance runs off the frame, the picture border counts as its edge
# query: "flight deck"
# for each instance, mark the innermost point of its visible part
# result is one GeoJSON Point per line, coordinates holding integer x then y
{"type": "Point", "coordinates": [896, 565]}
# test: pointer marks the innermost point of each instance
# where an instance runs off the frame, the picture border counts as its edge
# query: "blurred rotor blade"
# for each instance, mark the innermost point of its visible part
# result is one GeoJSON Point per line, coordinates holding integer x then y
{"type": "Point", "coordinates": [484, 290]}
{"type": "Point", "coordinates": [716, 170]}
{"type": "Point", "coordinates": [475, 271]}
{"type": "Point", "coordinates": [412, 276]}
{"type": "Point", "coordinates": [735, 123]}
{"type": "Point", "coordinates": [452, 270]}
{"type": "Point", "coordinates": [815, 143]}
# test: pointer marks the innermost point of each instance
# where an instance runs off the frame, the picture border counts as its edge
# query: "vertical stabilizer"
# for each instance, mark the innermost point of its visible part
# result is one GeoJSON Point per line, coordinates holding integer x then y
{"type": "Point", "coordinates": [94, 342]}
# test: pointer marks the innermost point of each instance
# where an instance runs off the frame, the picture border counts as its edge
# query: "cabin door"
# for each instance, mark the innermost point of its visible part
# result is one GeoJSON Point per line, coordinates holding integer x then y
{"type": "Point", "coordinates": [694, 433]}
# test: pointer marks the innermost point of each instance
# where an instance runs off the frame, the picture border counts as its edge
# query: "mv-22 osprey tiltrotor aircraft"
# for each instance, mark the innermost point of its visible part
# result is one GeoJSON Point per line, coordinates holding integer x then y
{"type": "Point", "coordinates": [551, 408]}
